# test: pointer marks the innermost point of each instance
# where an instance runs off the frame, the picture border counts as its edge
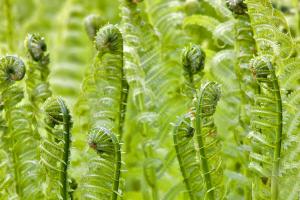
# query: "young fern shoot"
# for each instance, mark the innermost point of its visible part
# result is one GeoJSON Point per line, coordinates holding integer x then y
{"type": "Point", "coordinates": [193, 59]}
{"type": "Point", "coordinates": [18, 134]}
{"type": "Point", "coordinates": [102, 180]}
{"type": "Point", "coordinates": [109, 104]}
{"type": "Point", "coordinates": [38, 71]}
{"type": "Point", "coordinates": [106, 87]}
{"type": "Point", "coordinates": [186, 156]}
{"type": "Point", "coordinates": [267, 133]}
{"type": "Point", "coordinates": [207, 140]}
{"type": "Point", "coordinates": [55, 148]}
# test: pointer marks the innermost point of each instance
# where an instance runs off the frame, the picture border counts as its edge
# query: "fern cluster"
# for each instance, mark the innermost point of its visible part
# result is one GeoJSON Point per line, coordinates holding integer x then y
{"type": "Point", "coordinates": [167, 99]}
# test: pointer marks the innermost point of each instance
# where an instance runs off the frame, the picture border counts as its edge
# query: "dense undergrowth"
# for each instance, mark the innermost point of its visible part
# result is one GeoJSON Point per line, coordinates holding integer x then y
{"type": "Point", "coordinates": [150, 99]}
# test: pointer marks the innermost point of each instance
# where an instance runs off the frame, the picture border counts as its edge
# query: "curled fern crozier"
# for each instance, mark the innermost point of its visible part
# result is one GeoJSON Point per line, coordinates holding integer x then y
{"type": "Point", "coordinates": [104, 168]}
{"type": "Point", "coordinates": [12, 69]}
{"type": "Point", "coordinates": [55, 148]}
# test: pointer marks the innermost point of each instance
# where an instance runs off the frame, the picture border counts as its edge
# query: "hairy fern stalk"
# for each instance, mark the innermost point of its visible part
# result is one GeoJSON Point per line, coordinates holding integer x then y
{"type": "Point", "coordinates": [122, 100]}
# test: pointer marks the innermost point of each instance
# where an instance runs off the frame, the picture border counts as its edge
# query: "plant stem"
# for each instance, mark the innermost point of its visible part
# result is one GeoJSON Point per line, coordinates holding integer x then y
{"type": "Point", "coordinates": [204, 163]}
{"type": "Point", "coordinates": [276, 156]}
{"type": "Point", "coordinates": [123, 104]}
{"type": "Point", "coordinates": [118, 171]}
{"type": "Point", "coordinates": [66, 154]}
{"type": "Point", "coordinates": [182, 169]}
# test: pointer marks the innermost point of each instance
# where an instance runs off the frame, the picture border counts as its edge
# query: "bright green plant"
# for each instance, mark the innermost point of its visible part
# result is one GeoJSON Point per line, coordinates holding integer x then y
{"type": "Point", "coordinates": [167, 99]}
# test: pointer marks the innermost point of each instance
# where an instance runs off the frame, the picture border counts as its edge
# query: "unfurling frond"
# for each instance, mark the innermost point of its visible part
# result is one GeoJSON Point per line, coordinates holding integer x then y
{"type": "Point", "coordinates": [102, 180]}
{"type": "Point", "coordinates": [109, 40]}
{"type": "Point", "coordinates": [186, 156]}
{"type": "Point", "coordinates": [267, 125]}
{"type": "Point", "coordinates": [36, 46]}
{"type": "Point", "coordinates": [55, 148]}
{"type": "Point", "coordinates": [193, 59]}
{"type": "Point", "coordinates": [20, 139]}
{"type": "Point", "coordinates": [12, 69]}
{"type": "Point", "coordinates": [105, 88]}
{"type": "Point", "coordinates": [208, 141]}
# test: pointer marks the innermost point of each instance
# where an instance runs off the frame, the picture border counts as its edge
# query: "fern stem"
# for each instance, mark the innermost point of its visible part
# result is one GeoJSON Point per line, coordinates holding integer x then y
{"type": "Point", "coordinates": [117, 172]}
{"type": "Point", "coordinates": [182, 164]}
{"type": "Point", "coordinates": [123, 103]}
{"type": "Point", "coordinates": [66, 152]}
{"type": "Point", "coordinates": [204, 162]}
{"type": "Point", "coordinates": [203, 158]}
{"type": "Point", "coordinates": [277, 152]}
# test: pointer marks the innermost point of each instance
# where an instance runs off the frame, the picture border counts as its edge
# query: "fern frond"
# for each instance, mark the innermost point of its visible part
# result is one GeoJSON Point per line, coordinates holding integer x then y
{"type": "Point", "coordinates": [291, 150]}
{"type": "Point", "coordinates": [193, 59]}
{"type": "Point", "coordinates": [105, 88]}
{"type": "Point", "coordinates": [220, 8]}
{"type": "Point", "coordinates": [208, 147]}
{"type": "Point", "coordinates": [267, 126]}
{"type": "Point", "coordinates": [37, 74]}
{"type": "Point", "coordinates": [55, 148]}
{"type": "Point", "coordinates": [271, 30]}
{"type": "Point", "coordinates": [186, 156]}
{"type": "Point", "coordinates": [221, 31]}
{"type": "Point", "coordinates": [18, 134]}
{"type": "Point", "coordinates": [102, 180]}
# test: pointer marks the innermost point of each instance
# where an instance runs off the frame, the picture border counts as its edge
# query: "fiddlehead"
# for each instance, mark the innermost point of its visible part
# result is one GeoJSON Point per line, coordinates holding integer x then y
{"type": "Point", "coordinates": [107, 77]}
{"type": "Point", "coordinates": [92, 24]}
{"type": "Point", "coordinates": [109, 40]}
{"type": "Point", "coordinates": [55, 148]}
{"type": "Point", "coordinates": [38, 71]}
{"type": "Point", "coordinates": [102, 180]}
{"type": "Point", "coordinates": [186, 156]}
{"type": "Point", "coordinates": [12, 69]}
{"type": "Point", "coordinates": [207, 139]}
{"type": "Point", "coordinates": [36, 46]}
{"type": "Point", "coordinates": [21, 141]}
{"type": "Point", "coordinates": [193, 59]}
{"type": "Point", "coordinates": [267, 126]}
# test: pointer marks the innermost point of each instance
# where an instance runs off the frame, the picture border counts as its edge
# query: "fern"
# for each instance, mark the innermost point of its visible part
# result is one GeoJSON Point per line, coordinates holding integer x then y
{"type": "Point", "coordinates": [201, 177]}
{"type": "Point", "coordinates": [18, 134]}
{"type": "Point", "coordinates": [102, 180]}
{"type": "Point", "coordinates": [207, 141]}
{"type": "Point", "coordinates": [267, 123]}
{"type": "Point", "coordinates": [37, 74]}
{"type": "Point", "coordinates": [107, 73]}
{"type": "Point", "coordinates": [55, 148]}
{"type": "Point", "coordinates": [193, 59]}
{"type": "Point", "coordinates": [135, 76]}
{"type": "Point", "coordinates": [134, 82]}
{"type": "Point", "coordinates": [186, 156]}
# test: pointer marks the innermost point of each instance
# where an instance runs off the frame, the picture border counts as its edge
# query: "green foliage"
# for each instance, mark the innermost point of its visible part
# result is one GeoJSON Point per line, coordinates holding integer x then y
{"type": "Point", "coordinates": [142, 80]}
{"type": "Point", "coordinates": [102, 180]}
{"type": "Point", "coordinates": [55, 148]}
